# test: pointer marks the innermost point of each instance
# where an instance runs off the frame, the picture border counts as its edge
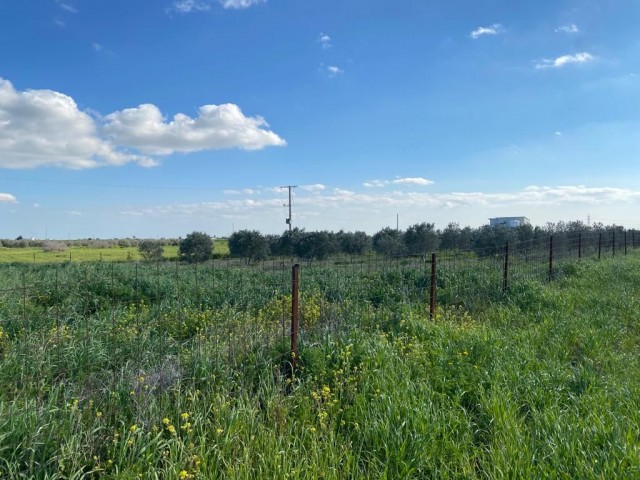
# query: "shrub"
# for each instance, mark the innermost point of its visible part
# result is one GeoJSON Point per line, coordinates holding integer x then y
{"type": "Point", "coordinates": [54, 246]}
{"type": "Point", "coordinates": [150, 250]}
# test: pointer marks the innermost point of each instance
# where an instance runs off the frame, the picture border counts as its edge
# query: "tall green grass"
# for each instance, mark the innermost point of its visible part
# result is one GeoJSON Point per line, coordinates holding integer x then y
{"type": "Point", "coordinates": [182, 373]}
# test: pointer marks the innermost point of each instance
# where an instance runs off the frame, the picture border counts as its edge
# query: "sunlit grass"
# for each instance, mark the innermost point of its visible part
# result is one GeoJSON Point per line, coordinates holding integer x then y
{"type": "Point", "coordinates": [91, 254]}
{"type": "Point", "coordinates": [541, 383]}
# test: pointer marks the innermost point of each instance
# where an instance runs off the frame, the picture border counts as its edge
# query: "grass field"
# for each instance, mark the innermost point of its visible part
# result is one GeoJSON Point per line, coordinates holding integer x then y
{"type": "Point", "coordinates": [90, 254]}
{"type": "Point", "coordinates": [541, 383]}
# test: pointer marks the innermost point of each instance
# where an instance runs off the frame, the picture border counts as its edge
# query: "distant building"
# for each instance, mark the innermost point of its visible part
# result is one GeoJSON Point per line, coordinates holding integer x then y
{"type": "Point", "coordinates": [510, 222]}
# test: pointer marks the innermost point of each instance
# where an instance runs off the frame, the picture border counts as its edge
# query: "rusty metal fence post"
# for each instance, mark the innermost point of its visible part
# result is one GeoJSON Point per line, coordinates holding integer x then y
{"type": "Point", "coordinates": [505, 273]}
{"type": "Point", "coordinates": [432, 294]}
{"type": "Point", "coordinates": [551, 258]}
{"type": "Point", "coordinates": [295, 292]}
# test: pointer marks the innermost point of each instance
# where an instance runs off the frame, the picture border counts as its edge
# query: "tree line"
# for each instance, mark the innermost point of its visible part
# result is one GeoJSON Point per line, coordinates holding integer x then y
{"type": "Point", "coordinates": [419, 239]}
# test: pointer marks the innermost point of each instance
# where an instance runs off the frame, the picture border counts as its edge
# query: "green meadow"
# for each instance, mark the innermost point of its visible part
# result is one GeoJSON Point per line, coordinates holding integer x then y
{"type": "Point", "coordinates": [91, 254]}
{"type": "Point", "coordinates": [185, 374]}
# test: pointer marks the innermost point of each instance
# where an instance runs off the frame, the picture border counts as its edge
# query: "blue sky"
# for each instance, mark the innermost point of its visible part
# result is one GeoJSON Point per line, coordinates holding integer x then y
{"type": "Point", "coordinates": [156, 118]}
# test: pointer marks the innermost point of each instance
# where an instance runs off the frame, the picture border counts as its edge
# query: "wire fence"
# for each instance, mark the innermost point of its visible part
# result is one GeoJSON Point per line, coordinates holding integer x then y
{"type": "Point", "coordinates": [159, 321]}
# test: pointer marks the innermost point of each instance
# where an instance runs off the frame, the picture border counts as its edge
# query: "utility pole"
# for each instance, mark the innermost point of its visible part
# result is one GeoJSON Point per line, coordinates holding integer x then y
{"type": "Point", "coordinates": [288, 220]}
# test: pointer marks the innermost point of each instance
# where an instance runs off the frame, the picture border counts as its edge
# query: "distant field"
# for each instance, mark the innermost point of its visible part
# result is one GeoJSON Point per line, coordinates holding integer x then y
{"type": "Point", "coordinates": [90, 254]}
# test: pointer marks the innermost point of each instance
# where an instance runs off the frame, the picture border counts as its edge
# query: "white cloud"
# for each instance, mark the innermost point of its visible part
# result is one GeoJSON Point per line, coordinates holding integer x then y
{"type": "Point", "coordinates": [333, 70]}
{"type": "Point", "coordinates": [494, 29]}
{"type": "Point", "coordinates": [215, 127]}
{"type": "Point", "coordinates": [413, 181]}
{"type": "Point", "coordinates": [245, 191]}
{"type": "Point", "coordinates": [325, 40]}
{"type": "Point", "coordinates": [186, 6]}
{"type": "Point", "coordinates": [375, 183]}
{"type": "Point", "coordinates": [419, 181]}
{"type": "Point", "coordinates": [7, 198]}
{"type": "Point", "coordinates": [334, 203]}
{"type": "Point", "coordinates": [96, 46]}
{"type": "Point", "coordinates": [46, 128]}
{"type": "Point", "coordinates": [564, 60]}
{"type": "Point", "coordinates": [558, 134]}
{"type": "Point", "coordinates": [571, 28]}
{"type": "Point", "coordinates": [69, 8]}
{"type": "Point", "coordinates": [59, 23]}
{"type": "Point", "coordinates": [240, 4]}
{"type": "Point", "coordinates": [316, 187]}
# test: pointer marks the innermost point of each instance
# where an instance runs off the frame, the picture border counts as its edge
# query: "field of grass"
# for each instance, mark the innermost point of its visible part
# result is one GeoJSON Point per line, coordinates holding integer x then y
{"type": "Point", "coordinates": [184, 376]}
{"type": "Point", "coordinates": [91, 254]}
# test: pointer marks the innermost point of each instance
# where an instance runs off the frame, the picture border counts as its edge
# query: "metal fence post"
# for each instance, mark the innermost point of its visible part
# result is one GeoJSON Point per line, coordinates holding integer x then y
{"type": "Point", "coordinates": [505, 274]}
{"type": "Point", "coordinates": [579, 245]}
{"type": "Point", "coordinates": [550, 257]}
{"type": "Point", "coordinates": [432, 296]}
{"type": "Point", "coordinates": [295, 292]}
{"type": "Point", "coordinates": [613, 243]}
{"type": "Point", "coordinates": [599, 246]}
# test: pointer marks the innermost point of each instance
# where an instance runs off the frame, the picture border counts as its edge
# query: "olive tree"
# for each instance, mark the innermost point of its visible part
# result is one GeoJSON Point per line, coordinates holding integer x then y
{"type": "Point", "coordinates": [196, 247]}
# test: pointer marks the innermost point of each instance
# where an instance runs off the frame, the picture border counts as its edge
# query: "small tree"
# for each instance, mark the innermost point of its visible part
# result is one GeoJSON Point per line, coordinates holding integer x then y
{"type": "Point", "coordinates": [356, 243]}
{"type": "Point", "coordinates": [388, 242]}
{"type": "Point", "coordinates": [315, 245]}
{"type": "Point", "coordinates": [249, 244]}
{"type": "Point", "coordinates": [151, 250]}
{"type": "Point", "coordinates": [196, 247]}
{"type": "Point", "coordinates": [421, 238]}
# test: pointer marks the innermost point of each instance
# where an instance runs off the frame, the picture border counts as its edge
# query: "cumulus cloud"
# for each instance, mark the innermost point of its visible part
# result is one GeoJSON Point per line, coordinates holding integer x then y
{"type": "Point", "coordinates": [494, 29]}
{"type": "Point", "coordinates": [325, 40]}
{"type": "Point", "coordinates": [46, 128]}
{"type": "Point", "coordinates": [187, 6]}
{"type": "Point", "coordinates": [239, 4]}
{"type": "Point", "coordinates": [333, 70]}
{"type": "Point", "coordinates": [564, 60]}
{"type": "Point", "coordinates": [571, 28]}
{"type": "Point", "coordinates": [215, 127]}
{"type": "Point", "coordinates": [7, 198]}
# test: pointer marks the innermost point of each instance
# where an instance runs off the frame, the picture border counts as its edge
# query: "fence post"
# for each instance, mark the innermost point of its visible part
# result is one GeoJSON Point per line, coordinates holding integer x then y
{"type": "Point", "coordinates": [599, 246]}
{"type": "Point", "coordinates": [295, 291]}
{"type": "Point", "coordinates": [505, 273]}
{"type": "Point", "coordinates": [550, 257]}
{"type": "Point", "coordinates": [613, 243]}
{"type": "Point", "coordinates": [432, 295]}
{"type": "Point", "coordinates": [579, 246]}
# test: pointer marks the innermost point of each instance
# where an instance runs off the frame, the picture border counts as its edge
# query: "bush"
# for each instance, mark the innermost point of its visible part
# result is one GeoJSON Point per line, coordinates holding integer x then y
{"type": "Point", "coordinates": [151, 250]}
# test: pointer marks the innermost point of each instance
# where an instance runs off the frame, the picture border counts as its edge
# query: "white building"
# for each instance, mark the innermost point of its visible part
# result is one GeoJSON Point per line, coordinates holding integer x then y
{"type": "Point", "coordinates": [510, 222]}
